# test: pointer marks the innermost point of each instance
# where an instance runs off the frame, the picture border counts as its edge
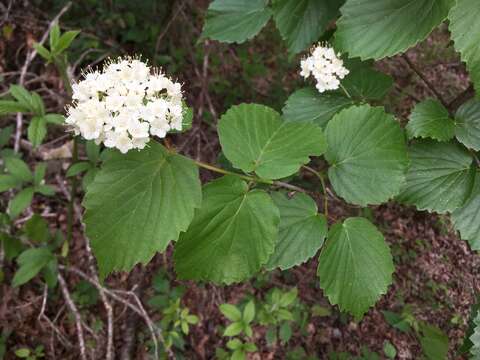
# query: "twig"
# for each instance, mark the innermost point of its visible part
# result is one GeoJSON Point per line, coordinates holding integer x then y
{"type": "Point", "coordinates": [427, 82]}
{"type": "Point", "coordinates": [29, 58]}
{"type": "Point", "coordinates": [154, 330]}
{"type": "Point", "coordinates": [108, 307]}
{"type": "Point", "coordinates": [167, 27]}
{"type": "Point", "coordinates": [76, 314]}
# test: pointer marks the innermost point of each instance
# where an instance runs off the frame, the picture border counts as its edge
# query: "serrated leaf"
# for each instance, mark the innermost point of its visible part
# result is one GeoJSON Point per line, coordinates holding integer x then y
{"type": "Point", "coordinates": [364, 82]}
{"type": "Point", "coordinates": [466, 219]}
{"type": "Point", "coordinates": [374, 29]}
{"type": "Point", "coordinates": [31, 262]}
{"type": "Point", "coordinates": [467, 124]}
{"type": "Point", "coordinates": [475, 338]}
{"type": "Point", "coordinates": [440, 177]}
{"type": "Point", "coordinates": [232, 235]}
{"type": "Point", "coordinates": [20, 202]}
{"type": "Point", "coordinates": [254, 138]}
{"type": "Point", "coordinates": [231, 312]}
{"type": "Point", "coordinates": [235, 20]}
{"type": "Point", "coordinates": [301, 22]}
{"type": "Point", "coordinates": [302, 231]}
{"type": "Point", "coordinates": [18, 168]}
{"type": "Point", "coordinates": [355, 266]}
{"type": "Point", "coordinates": [465, 29]}
{"type": "Point", "coordinates": [138, 203]}
{"type": "Point", "coordinates": [37, 130]}
{"type": "Point", "coordinates": [11, 107]}
{"type": "Point", "coordinates": [308, 104]}
{"type": "Point", "coordinates": [367, 154]}
{"type": "Point", "coordinates": [430, 119]}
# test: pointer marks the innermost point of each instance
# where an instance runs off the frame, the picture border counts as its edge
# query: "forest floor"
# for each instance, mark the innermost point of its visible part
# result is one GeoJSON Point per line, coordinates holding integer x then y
{"type": "Point", "coordinates": [436, 275]}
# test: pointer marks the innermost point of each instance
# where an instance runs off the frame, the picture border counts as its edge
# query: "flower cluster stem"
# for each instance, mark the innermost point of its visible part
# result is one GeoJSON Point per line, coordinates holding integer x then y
{"type": "Point", "coordinates": [61, 65]}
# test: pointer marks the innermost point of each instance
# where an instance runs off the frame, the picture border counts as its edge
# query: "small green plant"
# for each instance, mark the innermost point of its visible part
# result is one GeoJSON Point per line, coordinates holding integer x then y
{"type": "Point", "coordinates": [241, 321]}
{"type": "Point", "coordinates": [176, 323]}
{"type": "Point", "coordinates": [28, 354]}
{"type": "Point", "coordinates": [433, 341]}
{"type": "Point", "coordinates": [277, 314]}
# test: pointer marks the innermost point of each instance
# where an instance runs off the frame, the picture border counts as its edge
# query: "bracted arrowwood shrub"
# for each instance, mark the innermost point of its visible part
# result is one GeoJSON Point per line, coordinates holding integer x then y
{"type": "Point", "coordinates": [229, 229]}
{"type": "Point", "coordinates": [252, 218]}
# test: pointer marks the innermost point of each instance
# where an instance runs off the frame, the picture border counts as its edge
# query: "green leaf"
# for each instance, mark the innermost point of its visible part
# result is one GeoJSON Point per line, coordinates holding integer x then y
{"type": "Point", "coordinates": [239, 354]}
{"type": "Point", "coordinates": [285, 332]}
{"type": "Point", "coordinates": [55, 119]}
{"type": "Point", "coordinates": [467, 124]}
{"type": "Point", "coordinates": [12, 246]}
{"type": "Point", "coordinates": [8, 182]}
{"type": "Point", "coordinates": [231, 312]}
{"type": "Point", "coordinates": [430, 119]}
{"type": "Point", "coordinates": [5, 134]}
{"type": "Point", "coordinates": [235, 20]}
{"type": "Point", "coordinates": [20, 202]}
{"type": "Point", "coordinates": [54, 36]}
{"type": "Point", "coordinates": [364, 82]}
{"type": "Point", "coordinates": [31, 262]}
{"type": "Point", "coordinates": [39, 173]}
{"type": "Point", "coordinates": [466, 219]}
{"type": "Point", "coordinates": [440, 177]}
{"type": "Point", "coordinates": [11, 107]}
{"type": "Point", "coordinates": [232, 235]}
{"type": "Point", "coordinates": [301, 22]}
{"type": "Point", "coordinates": [288, 298]}
{"type": "Point", "coordinates": [46, 190]}
{"type": "Point", "coordinates": [249, 312]}
{"type": "Point", "coordinates": [38, 106]}
{"type": "Point", "coordinates": [42, 51]}
{"type": "Point", "coordinates": [234, 344]}
{"type": "Point", "coordinates": [22, 96]}
{"type": "Point", "coordinates": [389, 350]}
{"type": "Point", "coordinates": [355, 266]}
{"type": "Point", "coordinates": [465, 29]}
{"type": "Point", "coordinates": [36, 229]}
{"type": "Point", "coordinates": [397, 321]}
{"type": "Point", "coordinates": [254, 138]}
{"type": "Point", "coordinates": [475, 338]}
{"type": "Point", "coordinates": [50, 273]}
{"type": "Point", "coordinates": [138, 203]}
{"type": "Point", "coordinates": [65, 41]}
{"type": "Point", "coordinates": [37, 130]}
{"type": "Point", "coordinates": [308, 104]}
{"type": "Point", "coordinates": [233, 329]}
{"type": "Point", "coordinates": [78, 168]}
{"type": "Point", "coordinates": [18, 168]}
{"type": "Point", "coordinates": [374, 29]}
{"type": "Point", "coordinates": [302, 231]}
{"type": "Point", "coordinates": [367, 154]}
{"type": "Point", "coordinates": [434, 342]}
{"type": "Point", "coordinates": [22, 352]}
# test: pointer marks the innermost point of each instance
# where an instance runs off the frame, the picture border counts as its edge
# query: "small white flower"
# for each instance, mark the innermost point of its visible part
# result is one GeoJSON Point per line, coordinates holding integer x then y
{"type": "Point", "coordinates": [125, 104]}
{"type": "Point", "coordinates": [325, 66]}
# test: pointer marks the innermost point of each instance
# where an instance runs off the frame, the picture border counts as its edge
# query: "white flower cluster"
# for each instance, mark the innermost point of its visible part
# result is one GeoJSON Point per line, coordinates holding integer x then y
{"type": "Point", "coordinates": [325, 66]}
{"type": "Point", "coordinates": [125, 104]}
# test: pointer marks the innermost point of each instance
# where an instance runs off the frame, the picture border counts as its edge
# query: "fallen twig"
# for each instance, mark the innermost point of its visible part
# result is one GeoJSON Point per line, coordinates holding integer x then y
{"type": "Point", "coordinates": [76, 314]}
